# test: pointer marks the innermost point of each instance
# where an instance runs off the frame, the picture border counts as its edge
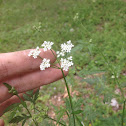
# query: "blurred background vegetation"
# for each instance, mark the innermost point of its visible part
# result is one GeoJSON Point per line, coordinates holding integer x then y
{"type": "Point", "coordinates": [96, 28]}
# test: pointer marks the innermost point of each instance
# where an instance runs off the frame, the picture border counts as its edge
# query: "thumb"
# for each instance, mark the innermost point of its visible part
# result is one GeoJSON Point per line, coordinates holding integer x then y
{"type": "Point", "coordinates": [1, 122]}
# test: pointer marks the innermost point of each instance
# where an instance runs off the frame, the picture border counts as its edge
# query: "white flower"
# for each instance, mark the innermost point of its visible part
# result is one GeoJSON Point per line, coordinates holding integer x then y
{"type": "Point", "coordinates": [34, 53]}
{"type": "Point", "coordinates": [70, 58]}
{"type": "Point", "coordinates": [47, 45]}
{"type": "Point", "coordinates": [60, 53]}
{"type": "Point", "coordinates": [66, 47]}
{"type": "Point", "coordinates": [45, 64]}
{"type": "Point", "coordinates": [66, 63]}
{"type": "Point", "coordinates": [114, 103]}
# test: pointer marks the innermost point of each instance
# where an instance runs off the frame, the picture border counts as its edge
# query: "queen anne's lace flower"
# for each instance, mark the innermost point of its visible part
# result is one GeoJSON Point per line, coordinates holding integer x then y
{"type": "Point", "coordinates": [66, 63]}
{"type": "Point", "coordinates": [34, 53]}
{"type": "Point", "coordinates": [47, 45]}
{"type": "Point", "coordinates": [45, 64]}
{"type": "Point", "coordinates": [66, 47]}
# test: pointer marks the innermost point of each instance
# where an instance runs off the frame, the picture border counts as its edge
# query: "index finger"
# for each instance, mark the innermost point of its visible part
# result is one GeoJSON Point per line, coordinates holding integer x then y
{"type": "Point", "coordinates": [16, 63]}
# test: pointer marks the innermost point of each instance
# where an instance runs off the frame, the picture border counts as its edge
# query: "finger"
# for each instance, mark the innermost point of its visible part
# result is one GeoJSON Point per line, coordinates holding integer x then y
{"type": "Point", "coordinates": [15, 63]}
{"type": "Point", "coordinates": [1, 122]}
{"type": "Point", "coordinates": [9, 102]}
{"type": "Point", "coordinates": [31, 81]}
{"type": "Point", "coordinates": [12, 100]}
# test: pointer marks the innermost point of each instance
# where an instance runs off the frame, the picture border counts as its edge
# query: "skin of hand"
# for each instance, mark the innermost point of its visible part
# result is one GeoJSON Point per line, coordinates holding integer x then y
{"type": "Point", "coordinates": [23, 72]}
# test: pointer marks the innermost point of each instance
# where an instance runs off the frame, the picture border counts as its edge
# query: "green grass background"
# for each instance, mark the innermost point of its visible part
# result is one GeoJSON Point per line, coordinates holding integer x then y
{"type": "Point", "coordinates": [100, 27]}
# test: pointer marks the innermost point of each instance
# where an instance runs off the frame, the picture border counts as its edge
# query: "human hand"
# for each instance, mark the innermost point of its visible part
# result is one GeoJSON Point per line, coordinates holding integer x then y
{"type": "Point", "coordinates": [23, 73]}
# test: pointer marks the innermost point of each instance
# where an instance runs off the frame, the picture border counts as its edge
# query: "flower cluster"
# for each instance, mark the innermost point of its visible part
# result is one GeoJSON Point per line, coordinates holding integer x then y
{"type": "Point", "coordinates": [34, 53]}
{"type": "Point", "coordinates": [65, 48]}
{"type": "Point", "coordinates": [47, 45]}
{"type": "Point", "coordinates": [66, 63]}
{"type": "Point", "coordinates": [45, 64]}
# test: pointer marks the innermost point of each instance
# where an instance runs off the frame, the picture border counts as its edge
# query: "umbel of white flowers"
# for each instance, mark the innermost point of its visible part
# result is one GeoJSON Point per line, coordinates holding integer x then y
{"type": "Point", "coordinates": [65, 48]}
{"type": "Point", "coordinates": [65, 63]}
{"type": "Point", "coordinates": [34, 53]}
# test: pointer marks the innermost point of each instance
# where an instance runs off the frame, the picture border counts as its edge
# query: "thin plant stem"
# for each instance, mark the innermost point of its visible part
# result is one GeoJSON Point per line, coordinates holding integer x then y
{"type": "Point", "coordinates": [27, 110]}
{"type": "Point", "coordinates": [55, 57]}
{"type": "Point", "coordinates": [51, 118]}
{"type": "Point", "coordinates": [55, 120]}
{"type": "Point", "coordinates": [71, 104]}
{"type": "Point", "coordinates": [34, 106]}
{"type": "Point", "coordinates": [70, 99]}
{"type": "Point", "coordinates": [123, 112]}
{"type": "Point", "coordinates": [40, 57]}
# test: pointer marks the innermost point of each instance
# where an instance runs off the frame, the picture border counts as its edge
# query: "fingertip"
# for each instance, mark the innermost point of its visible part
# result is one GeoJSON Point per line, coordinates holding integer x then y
{"type": "Point", "coordinates": [1, 122]}
{"type": "Point", "coordinates": [66, 72]}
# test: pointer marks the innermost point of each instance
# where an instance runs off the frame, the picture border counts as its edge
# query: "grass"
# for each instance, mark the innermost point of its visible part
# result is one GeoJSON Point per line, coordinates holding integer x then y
{"type": "Point", "coordinates": [99, 29]}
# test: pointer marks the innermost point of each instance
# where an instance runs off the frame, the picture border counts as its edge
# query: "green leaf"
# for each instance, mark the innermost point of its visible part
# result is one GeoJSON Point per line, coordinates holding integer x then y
{"type": "Point", "coordinates": [25, 116]}
{"type": "Point", "coordinates": [11, 107]}
{"type": "Point", "coordinates": [77, 111]}
{"type": "Point", "coordinates": [71, 121]}
{"type": "Point", "coordinates": [60, 115]}
{"type": "Point", "coordinates": [78, 103]}
{"type": "Point", "coordinates": [27, 98]}
{"type": "Point", "coordinates": [67, 102]}
{"type": "Point", "coordinates": [30, 92]}
{"type": "Point", "coordinates": [23, 122]}
{"type": "Point", "coordinates": [11, 115]}
{"type": "Point", "coordinates": [8, 86]}
{"type": "Point", "coordinates": [16, 119]}
{"type": "Point", "coordinates": [79, 122]}
{"type": "Point", "coordinates": [36, 95]}
{"type": "Point", "coordinates": [24, 104]}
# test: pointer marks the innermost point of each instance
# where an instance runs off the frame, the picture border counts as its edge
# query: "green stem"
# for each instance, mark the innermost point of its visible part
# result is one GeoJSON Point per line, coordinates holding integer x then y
{"type": "Point", "coordinates": [27, 110]}
{"type": "Point", "coordinates": [55, 57]}
{"type": "Point", "coordinates": [70, 99]}
{"type": "Point", "coordinates": [71, 104]}
{"type": "Point", "coordinates": [51, 118]}
{"type": "Point", "coordinates": [55, 120]}
{"type": "Point", "coordinates": [123, 112]}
